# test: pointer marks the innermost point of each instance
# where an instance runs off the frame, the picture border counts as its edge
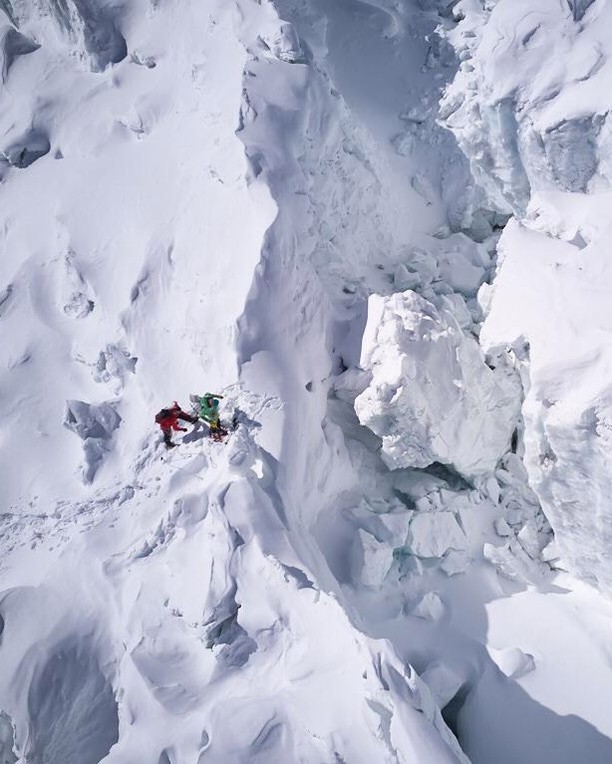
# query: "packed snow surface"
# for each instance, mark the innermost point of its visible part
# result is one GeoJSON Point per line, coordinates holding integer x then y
{"type": "Point", "coordinates": [378, 229]}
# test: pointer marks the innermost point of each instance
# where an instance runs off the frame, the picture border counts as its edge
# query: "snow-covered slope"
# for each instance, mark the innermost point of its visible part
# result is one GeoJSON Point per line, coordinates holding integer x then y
{"type": "Point", "coordinates": [265, 199]}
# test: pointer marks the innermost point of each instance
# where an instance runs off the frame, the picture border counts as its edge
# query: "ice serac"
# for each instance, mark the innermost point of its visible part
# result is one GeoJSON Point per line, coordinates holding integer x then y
{"type": "Point", "coordinates": [528, 105]}
{"type": "Point", "coordinates": [432, 397]}
{"type": "Point", "coordinates": [89, 28]}
{"type": "Point", "coordinates": [543, 73]}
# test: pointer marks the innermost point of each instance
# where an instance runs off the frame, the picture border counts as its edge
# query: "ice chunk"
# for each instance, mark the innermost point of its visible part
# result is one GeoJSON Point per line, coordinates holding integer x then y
{"type": "Point", "coordinates": [350, 383]}
{"type": "Point", "coordinates": [550, 553]}
{"type": "Point", "coordinates": [455, 305]}
{"type": "Point", "coordinates": [502, 528]}
{"type": "Point", "coordinates": [405, 279]}
{"type": "Point", "coordinates": [460, 265]}
{"type": "Point", "coordinates": [371, 559]}
{"type": "Point", "coordinates": [76, 293]}
{"type": "Point", "coordinates": [454, 562]}
{"type": "Point", "coordinates": [531, 540]}
{"type": "Point", "coordinates": [512, 561]}
{"type": "Point", "coordinates": [113, 365]}
{"type": "Point", "coordinates": [416, 484]}
{"type": "Point", "coordinates": [90, 421]}
{"type": "Point", "coordinates": [430, 606]}
{"type": "Point", "coordinates": [95, 425]}
{"type": "Point", "coordinates": [432, 397]}
{"type": "Point", "coordinates": [434, 533]}
{"type": "Point", "coordinates": [514, 663]}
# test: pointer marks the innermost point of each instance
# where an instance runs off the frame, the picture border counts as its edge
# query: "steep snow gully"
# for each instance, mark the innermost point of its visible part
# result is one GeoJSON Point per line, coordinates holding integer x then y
{"type": "Point", "coordinates": [378, 227]}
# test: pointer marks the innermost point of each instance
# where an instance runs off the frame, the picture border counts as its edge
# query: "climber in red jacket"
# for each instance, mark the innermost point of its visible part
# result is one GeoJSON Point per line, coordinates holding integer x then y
{"type": "Point", "coordinates": [168, 420]}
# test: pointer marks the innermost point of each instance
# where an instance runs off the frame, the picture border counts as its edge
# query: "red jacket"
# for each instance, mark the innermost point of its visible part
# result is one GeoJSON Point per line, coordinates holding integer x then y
{"type": "Point", "coordinates": [168, 418]}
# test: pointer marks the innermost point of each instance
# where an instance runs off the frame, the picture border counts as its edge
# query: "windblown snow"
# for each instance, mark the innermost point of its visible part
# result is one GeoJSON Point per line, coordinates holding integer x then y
{"type": "Point", "coordinates": [379, 229]}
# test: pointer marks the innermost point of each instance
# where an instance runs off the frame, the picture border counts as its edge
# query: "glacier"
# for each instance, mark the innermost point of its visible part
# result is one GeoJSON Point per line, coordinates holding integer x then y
{"type": "Point", "coordinates": [378, 228]}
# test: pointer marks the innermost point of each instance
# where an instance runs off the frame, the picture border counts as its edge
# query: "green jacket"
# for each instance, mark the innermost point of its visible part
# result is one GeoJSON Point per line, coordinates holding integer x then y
{"type": "Point", "coordinates": [209, 413]}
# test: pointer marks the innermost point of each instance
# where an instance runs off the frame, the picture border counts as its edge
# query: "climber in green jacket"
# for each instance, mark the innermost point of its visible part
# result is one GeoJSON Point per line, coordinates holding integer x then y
{"type": "Point", "coordinates": [208, 410]}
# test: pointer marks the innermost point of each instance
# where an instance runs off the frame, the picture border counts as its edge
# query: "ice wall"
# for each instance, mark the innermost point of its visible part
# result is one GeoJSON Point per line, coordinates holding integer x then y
{"type": "Point", "coordinates": [530, 109]}
{"type": "Point", "coordinates": [549, 304]}
{"type": "Point", "coordinates": [529, 103]}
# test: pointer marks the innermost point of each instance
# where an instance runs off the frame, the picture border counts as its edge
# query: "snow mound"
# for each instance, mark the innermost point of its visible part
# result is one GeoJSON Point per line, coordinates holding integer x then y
{"type": "Point", "coordinates": [512, 661]}
{"type": "Point", "coordinates": [432, 397]}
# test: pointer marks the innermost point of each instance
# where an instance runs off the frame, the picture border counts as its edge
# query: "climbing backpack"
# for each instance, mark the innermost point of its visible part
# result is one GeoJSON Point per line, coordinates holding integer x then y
{"type": "Point", "coordinates": [163, 414]}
